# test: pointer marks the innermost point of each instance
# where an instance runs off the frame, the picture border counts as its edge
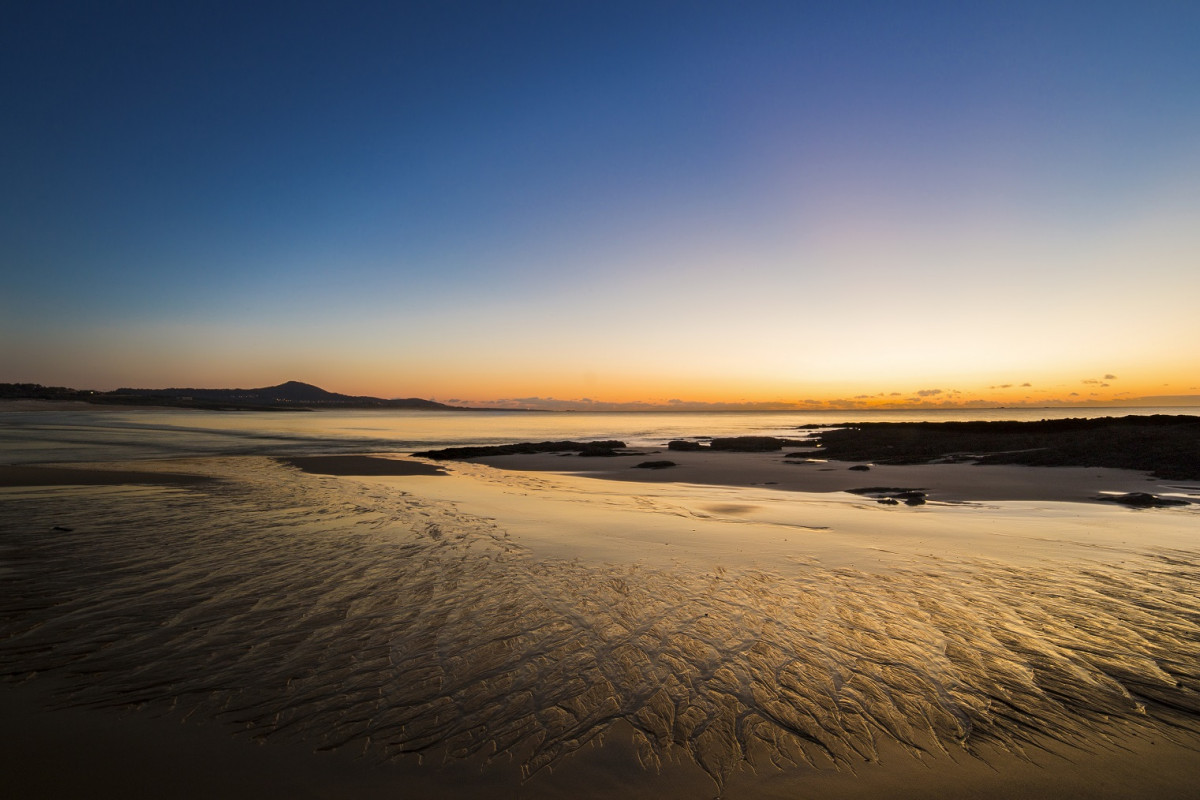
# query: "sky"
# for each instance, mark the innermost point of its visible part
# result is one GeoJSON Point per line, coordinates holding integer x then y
{"type": "Point", "coordinates": [603, 204]}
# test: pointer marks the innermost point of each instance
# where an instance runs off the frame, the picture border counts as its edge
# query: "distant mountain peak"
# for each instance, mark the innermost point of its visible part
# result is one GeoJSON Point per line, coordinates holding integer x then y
{"type": "Point", "coordinates": [289, 394]}
{"type": "Point", "coordinates": [297, 390]}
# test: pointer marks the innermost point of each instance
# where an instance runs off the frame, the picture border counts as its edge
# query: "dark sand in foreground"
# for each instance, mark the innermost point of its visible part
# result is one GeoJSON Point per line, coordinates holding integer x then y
{"type": "Point", "coordinates": [80, 476]}
{"type": "Point", "coordinates": [51, 754]}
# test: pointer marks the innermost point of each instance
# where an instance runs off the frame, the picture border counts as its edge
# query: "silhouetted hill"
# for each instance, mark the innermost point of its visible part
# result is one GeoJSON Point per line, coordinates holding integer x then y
{"type": "Point", "coordinates": [289, 395]}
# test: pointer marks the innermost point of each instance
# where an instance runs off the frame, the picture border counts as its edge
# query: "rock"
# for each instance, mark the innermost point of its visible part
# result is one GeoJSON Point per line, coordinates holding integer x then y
{"type": "Point", "coordinates": [752, 444]}
{"type": "Point", "coordinates": [892, 496]}
{"type": "Point", "coordinates": [600, 449]}
{"type": "Point", "coordinates": [1168, 446]}
{"type": "Point", "coordinates": [604, 448]}
{"type": "Point", "coordinates": [62, 529]}
{"type": "Point", "coordinates": [679, 444]}
{"type": "Point", "coordinates": [1142, 500]}
{"type": "Point", "coordinates": [860, 468]}
{"type": "Point", "coordinates": [655, 465]}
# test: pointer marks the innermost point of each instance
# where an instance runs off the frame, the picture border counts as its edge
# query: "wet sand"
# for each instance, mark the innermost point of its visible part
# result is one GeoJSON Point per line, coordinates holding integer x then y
{"type": "Point", "coordinates": [547, 635]}
{"type": "Point", "coordinates": [73, 476]}
{"type": "Point", "coordinates": [50, 754]}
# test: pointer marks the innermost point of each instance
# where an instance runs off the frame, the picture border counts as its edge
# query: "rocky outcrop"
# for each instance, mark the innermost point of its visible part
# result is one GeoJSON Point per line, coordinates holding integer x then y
{"type": "Point", "coordinates": [891, 495]}
{"type": "Point", "coordinates": [1167, 446]}
{"type": "Point", "coordinates": [753, 444]}
{"type": "Point", "coordinates": [1142, 500]}
{"type": "Point", "coordinates": [603, 448]}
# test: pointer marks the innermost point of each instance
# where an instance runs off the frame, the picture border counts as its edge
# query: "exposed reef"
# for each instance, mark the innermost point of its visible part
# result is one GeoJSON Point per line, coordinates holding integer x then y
{"type": "Point", "coordinates": [753, 444]}
{"type": "Point", "coordinates": [609, 447]}
{"type": "Point", "coordinates": [1166, 446]}
{"type": "Point", "coordinates": [891, 496]}
{"type": "Point", "coordinates": [1142, 500]}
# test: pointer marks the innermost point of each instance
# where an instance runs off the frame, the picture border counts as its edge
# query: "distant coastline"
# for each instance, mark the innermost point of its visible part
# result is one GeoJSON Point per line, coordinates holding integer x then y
{"type": "Point", "coordinates": [299, 396]}
{"type": "Point", "coordinates": [289, 396]}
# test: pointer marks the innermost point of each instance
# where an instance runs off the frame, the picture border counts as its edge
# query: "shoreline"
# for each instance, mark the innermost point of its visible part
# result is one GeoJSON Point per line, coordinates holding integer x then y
{"type": "Point", "coordinates": [951, 483]}
{"type": "Point", "coordinates": [939, 483]}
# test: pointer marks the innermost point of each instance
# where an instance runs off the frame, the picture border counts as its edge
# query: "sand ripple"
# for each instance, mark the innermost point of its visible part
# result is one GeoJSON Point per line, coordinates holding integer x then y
{"type": "Point", "coordinates": [346, 614]}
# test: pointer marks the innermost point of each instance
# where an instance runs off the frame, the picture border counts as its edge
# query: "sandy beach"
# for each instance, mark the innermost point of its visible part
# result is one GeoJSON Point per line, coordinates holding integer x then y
{"type": "Point", "coordinates": [734, 626]}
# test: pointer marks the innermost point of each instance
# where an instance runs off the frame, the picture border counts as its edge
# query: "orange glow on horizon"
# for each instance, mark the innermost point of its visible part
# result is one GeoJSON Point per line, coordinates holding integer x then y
{"type": "Point", "coordinates": [1104, 388]}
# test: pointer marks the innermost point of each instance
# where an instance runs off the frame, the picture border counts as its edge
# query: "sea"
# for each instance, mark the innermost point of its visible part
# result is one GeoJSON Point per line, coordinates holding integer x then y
{"type": "Point", "coordinates": [102, 434]}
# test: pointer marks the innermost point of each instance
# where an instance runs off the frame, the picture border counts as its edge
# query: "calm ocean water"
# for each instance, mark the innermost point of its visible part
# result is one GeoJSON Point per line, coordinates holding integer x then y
{"type": "Point", "coordinates": [103, 434]}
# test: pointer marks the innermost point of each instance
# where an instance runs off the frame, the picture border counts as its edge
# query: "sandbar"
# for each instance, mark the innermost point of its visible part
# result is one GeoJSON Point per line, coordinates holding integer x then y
{"type": "Point", "coordinates": [360, 465]}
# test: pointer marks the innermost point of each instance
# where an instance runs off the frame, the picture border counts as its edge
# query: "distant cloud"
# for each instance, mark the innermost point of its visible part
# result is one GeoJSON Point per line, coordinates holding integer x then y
{"type": "Point", "coordinates": [928, 392]}
{"type": "Point", "coordinates": [894, 394]}
{"type": "Point", "coordinates": [1026, 384]}
{"type": "Point", "coordinates": [1110, 377]}
{"type": "Point", "coordinates": [1003, 386]}
{"type": "Point", "coordinates": [1089, 380]}
{"type": "Point", "coordinates": [862, 397]}
{"type": "Point", "coordinates": [1073, 394]}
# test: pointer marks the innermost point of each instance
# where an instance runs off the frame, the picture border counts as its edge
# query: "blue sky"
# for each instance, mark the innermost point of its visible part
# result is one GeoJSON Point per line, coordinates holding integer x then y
{"type": "Point", "coordinates": [630, 201]}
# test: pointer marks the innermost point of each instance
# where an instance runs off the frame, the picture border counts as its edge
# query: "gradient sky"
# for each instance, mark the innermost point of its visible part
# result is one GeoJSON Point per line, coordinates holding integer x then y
{"type": "Point", "coordinates": [856, 203]}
